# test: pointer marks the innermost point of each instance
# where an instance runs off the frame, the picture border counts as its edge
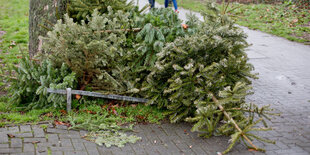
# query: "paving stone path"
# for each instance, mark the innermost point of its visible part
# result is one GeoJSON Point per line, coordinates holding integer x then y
{"type": "Point", "coordinates": [284, 69]}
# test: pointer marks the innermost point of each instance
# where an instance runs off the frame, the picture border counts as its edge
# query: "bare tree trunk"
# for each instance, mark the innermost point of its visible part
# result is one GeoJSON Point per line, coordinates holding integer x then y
{"type": "Point", "coordinates": [42, 15]}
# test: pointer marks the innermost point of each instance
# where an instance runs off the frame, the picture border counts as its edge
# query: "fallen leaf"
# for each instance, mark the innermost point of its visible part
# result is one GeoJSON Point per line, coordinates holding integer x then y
{"type": "Point", "coordinates": [90, 112]}
{"type": "Point", "coordinates": [251, 150]}
{"type": "Point", "coordinates": [184, 26]}
{"type": "Point", "coordinates": [115, 106]}
{"type": "Point", "coordinates": [295, 20]}
{"type": "Point", "coordinates": [11, 136]}
{"type": "Point", "coordinates": [35, 142]}
{"type": "Point", "coordinates": [77, 96]}
{"type": "Point", "coordinates": [140, 118]}
{"type": "Point", "coordinates": [61, 123]}
{"type": "Point", "coordinates": [64, 112]}
{"type": "Point", "coordinates": [50, 114]}
{"type": "Point", "coordinates": [133, 105]}
{"type": "Point", "coordinates": [111, 102]}
{"type": "Point", "coordinates": [114, 111]}
{"type": "Point", "coordinates": [13, 43]}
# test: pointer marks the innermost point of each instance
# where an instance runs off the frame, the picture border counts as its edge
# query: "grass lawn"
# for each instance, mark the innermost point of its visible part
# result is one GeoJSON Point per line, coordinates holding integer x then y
{"type": "Point", "coordinates": [14, 23]}
{"type": "Point", "coordinates": [282, 20]}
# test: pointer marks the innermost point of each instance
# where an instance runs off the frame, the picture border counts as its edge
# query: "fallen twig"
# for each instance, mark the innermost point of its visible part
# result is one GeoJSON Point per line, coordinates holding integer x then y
{"type": "Point", "coordinates": [10, 77]}
{"type": "Point", "coordinates": [233, 121]}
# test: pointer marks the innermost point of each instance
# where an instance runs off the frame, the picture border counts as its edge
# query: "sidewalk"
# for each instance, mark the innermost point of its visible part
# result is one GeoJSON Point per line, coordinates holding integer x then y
{"type": "Point", "coordinates": [284, 69]}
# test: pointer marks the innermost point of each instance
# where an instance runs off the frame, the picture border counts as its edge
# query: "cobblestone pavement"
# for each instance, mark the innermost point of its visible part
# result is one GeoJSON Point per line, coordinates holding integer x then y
{"type": "Point", "coordinates": [284, 69]}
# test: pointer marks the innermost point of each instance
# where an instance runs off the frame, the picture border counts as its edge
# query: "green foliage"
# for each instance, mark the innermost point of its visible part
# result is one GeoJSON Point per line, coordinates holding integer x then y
{"type": "Point", "coordinates": [289, 20]}
{"type": "Point", "coordinates": [106, 53]}
{"type": "Point", "coordinates": [93, 50]}
{"type": "Point", "coordinates": [106, 122]}
{"type": "Point", "coordinates": [191, 72]}
{"type": "Point", "coordinates": [29, 82]}
{"type": "Point", "coordinates": [209, 119]}
{"type": "Point", "coordinates": [160, 26]}
{"type": "Point", "coordinates": [80, 9]}
{"type": "Point", "coordinates": [104, 130]}
{"type": "Point", "coordinates": [114, 138]}
{"type": "Point", "coordinates": [213, 58]}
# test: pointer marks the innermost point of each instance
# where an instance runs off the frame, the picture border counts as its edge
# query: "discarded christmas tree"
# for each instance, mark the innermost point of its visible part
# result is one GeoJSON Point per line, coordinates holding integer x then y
{"type": "Point", "coordinates": [204, 78]}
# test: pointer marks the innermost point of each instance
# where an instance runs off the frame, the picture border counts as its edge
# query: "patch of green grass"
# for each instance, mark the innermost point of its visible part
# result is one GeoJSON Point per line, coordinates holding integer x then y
{"type": "Point", "coordinates": [282, 20]}
{"type": "Point", "coordinates": [15, 117]}
{"type": "Point", "coordinates": [44, 127]}
{"type": "Point", "coordinates": [14, 21]}
{"type": "Point", "coordinates": [120, 114]}
{"type": "Point", "coordinates": [33, 117]}
{"type": "Point", "coordinates": [49, 151]}
{"type": "Point", "coordinates": [4, 107]}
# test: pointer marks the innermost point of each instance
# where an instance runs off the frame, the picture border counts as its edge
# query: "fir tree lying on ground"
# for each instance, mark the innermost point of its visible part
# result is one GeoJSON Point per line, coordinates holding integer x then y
{"type": "Point", "coordinates": [204, 78]}
{"type": "Point", "coordinates": [29, 82]}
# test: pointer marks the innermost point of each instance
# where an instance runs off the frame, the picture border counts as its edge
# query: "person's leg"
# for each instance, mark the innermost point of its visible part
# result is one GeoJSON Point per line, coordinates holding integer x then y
{"type": "Point", "coordinates": [152, 3]}
{"type": "Point", "coordinates": [175, 4]}
{"type": "Point", "coordinates": [166, 3]}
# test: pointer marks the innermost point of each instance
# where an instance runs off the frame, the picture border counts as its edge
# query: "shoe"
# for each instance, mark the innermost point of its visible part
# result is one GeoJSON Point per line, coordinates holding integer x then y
{"type": "Point", "coordinates": [176, 11]}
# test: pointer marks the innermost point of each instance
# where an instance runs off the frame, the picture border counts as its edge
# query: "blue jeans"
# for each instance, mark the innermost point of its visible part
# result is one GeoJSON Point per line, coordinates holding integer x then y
{"type": "Point", "coordinates": [175, 4]}
{"type": "Point", "coordinates": [152, 3]}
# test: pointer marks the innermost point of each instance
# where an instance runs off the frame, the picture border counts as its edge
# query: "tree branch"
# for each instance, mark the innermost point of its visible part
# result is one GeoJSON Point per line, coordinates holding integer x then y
{"type": "Point", "coordinates": [233, 121]}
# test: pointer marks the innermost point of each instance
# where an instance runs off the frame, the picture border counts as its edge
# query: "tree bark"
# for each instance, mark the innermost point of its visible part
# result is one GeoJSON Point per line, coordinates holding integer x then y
{"type": "Point", "coordinates": [42, 15]}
